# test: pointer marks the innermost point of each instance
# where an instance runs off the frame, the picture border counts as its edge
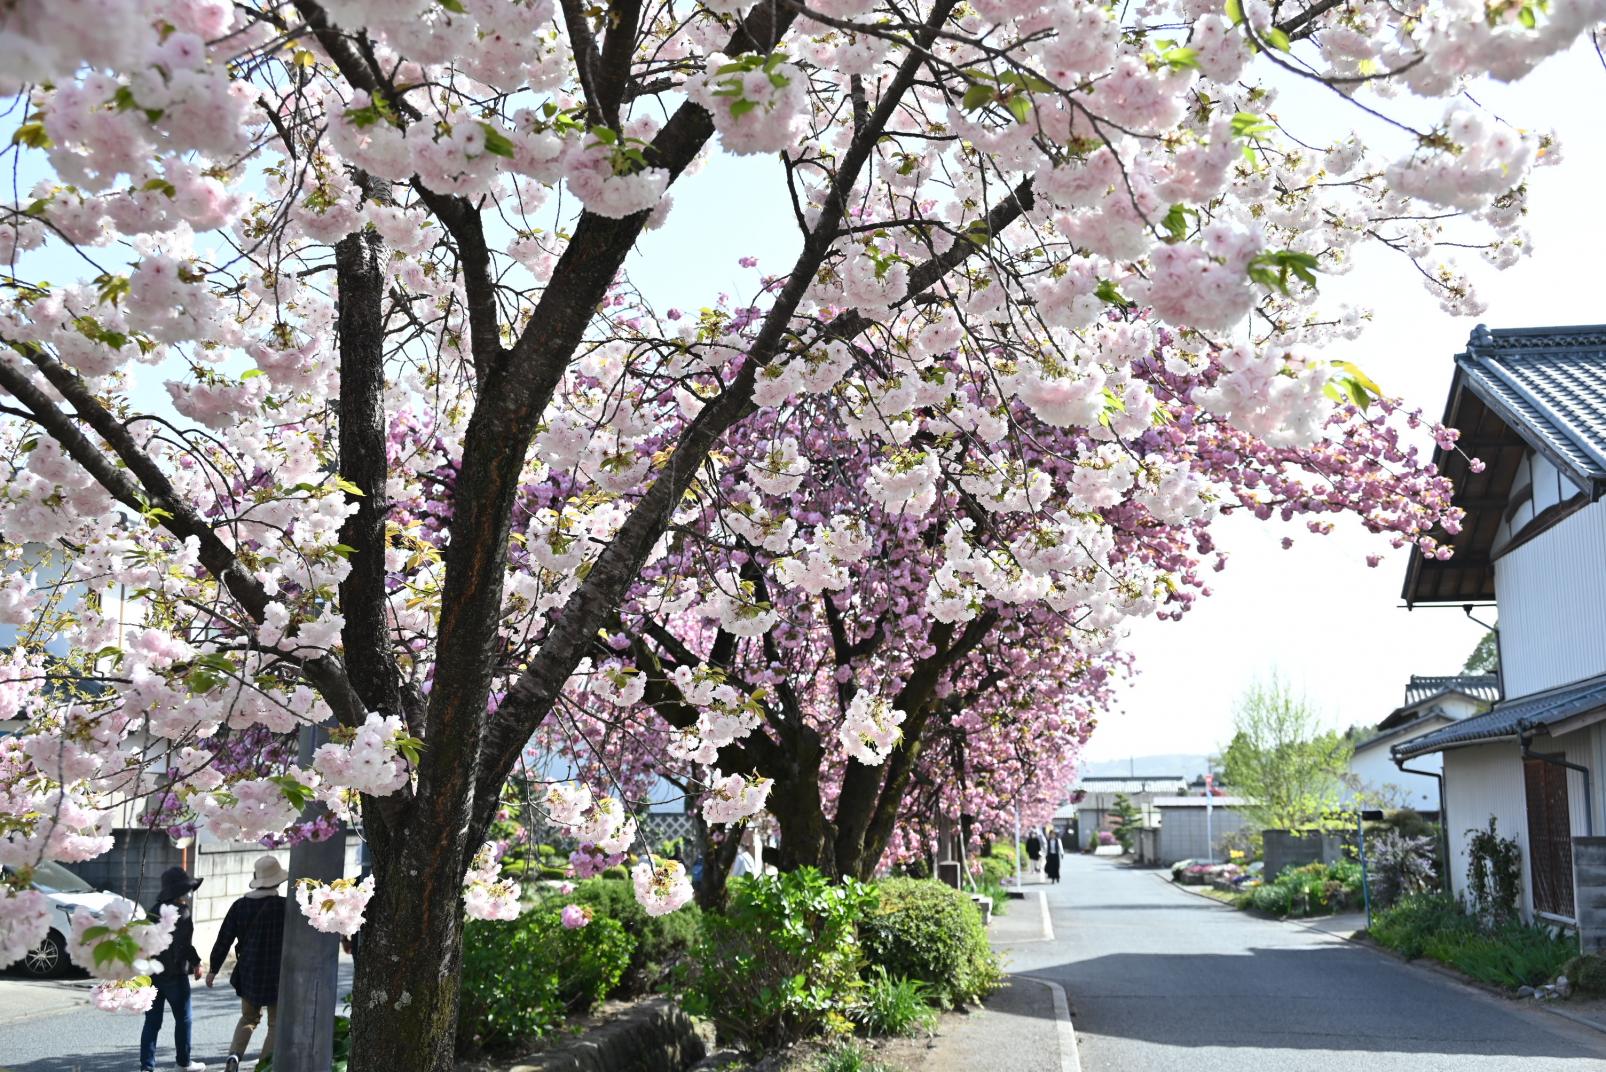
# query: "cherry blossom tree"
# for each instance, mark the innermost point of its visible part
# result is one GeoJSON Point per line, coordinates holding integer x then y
{"type": "Point", "coordinates": [320, 344]}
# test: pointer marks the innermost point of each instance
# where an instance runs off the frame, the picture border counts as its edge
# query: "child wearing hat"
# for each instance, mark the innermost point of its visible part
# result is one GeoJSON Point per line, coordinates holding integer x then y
{"type": "Point", "coordinates": [179, 963]}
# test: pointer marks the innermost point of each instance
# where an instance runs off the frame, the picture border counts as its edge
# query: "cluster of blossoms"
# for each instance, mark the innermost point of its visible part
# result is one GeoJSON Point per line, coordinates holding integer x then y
{"type": "Point", "coordinates": [134, 995]}
{"type": "Point", "coordinates": [661, 885]}
{"type": "Point", "coordinates": [118, 942]}
{"type": "Point", "coordinates": [486, 894]}
{"type": "Point", "coordinates": [730, 798]}
{"type": "Point", "coordinates": [335, 907]}
{"type": "Point", "coordinates": [870, 728]}
{"type": "Point", "coordinates": [24, 922]}
{"type": "Point", "coordinates": [375, 761]}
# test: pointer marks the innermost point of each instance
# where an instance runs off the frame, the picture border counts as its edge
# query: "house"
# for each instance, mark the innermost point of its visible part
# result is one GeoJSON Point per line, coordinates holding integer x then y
{"type": "Point", "coordinates": [1431, 703]}
{"type": "Point", "coordinates": [1095, 810]}
{"type": "Point", "coordinates": [1193, 828]}
{"type": "Point", "coordinates": [1531, 406]}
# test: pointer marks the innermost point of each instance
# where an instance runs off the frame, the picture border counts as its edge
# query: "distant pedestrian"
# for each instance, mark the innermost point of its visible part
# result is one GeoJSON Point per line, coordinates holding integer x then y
{"type": "Point", "coordinates": [1051, 856]}
{"type": "Point", "coordinates": [254, 925]}
{"type": "Point", "coordinates": [1034, 851]}
{"type": "Point", "coordinates": [179, 963]}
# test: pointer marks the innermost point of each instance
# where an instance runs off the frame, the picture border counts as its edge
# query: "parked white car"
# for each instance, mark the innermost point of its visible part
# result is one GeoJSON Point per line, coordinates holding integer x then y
{"type": "Point", "coordinates": [67, 893]}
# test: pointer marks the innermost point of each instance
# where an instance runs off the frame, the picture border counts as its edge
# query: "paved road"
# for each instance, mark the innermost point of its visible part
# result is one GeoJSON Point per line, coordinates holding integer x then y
{"type": "Point", "coordinates": [51, 1027]}
{"type": "Point", "coordinates": [1161, 980]}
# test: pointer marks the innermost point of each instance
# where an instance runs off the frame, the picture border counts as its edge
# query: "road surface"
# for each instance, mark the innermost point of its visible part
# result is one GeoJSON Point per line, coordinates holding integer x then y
{"type": "Point", "coordinates": [1161, 980]}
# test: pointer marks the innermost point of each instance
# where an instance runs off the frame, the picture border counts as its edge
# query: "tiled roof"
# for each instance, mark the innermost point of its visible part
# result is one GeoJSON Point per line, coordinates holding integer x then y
{"type": "Point", "coordinates": [1484, 687]}
{"type": "Point", "coordinates": [1551, 384]}
{"type": "Point", "coordinates": [1506, 719]}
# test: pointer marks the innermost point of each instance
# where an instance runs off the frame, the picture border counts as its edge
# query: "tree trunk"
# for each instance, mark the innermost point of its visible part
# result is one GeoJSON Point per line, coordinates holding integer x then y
{"type": "Point", "coordinates": [404, 1001]}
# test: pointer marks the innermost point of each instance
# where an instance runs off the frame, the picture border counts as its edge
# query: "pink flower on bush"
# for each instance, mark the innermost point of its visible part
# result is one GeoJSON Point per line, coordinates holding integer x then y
{"type": "Point", "coordinates": [575, 917]}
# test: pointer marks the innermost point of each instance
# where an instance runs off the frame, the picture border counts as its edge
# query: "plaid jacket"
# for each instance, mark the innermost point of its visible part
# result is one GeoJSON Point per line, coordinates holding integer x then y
{"type": "Point", "coordinates": [256, 924]}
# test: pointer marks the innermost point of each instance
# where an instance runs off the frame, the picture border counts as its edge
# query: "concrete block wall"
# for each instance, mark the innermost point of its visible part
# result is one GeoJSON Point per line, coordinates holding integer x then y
{"type": "Point", "coordinates": [1589, 891]}
{"type": "Point", "coordinates": [1285, 849]}
{"type": "Point", "coordinates": [1183, 833]}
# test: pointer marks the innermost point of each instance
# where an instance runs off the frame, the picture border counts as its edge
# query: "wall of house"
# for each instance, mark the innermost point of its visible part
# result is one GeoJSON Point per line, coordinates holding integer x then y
{"type": "Point", "coordinates": [1552, 596]}
{"type": "Point", "coordinates": [1183, 836]}
{"type": "Point", "coordinates": [1480, 781]}
{"type": "Point", "coordinates": [1373, 770]}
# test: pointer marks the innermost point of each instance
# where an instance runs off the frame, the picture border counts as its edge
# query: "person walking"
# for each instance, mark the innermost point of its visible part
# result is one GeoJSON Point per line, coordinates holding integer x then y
{"type": "Point", "coordinates": [179, 963]}
{"type": "Point", "coordinates": [254, 926]}
{"type": "Point", "coordinates": [1034, 850]}
{"type": "Point", "coordinates": [1051, 856]}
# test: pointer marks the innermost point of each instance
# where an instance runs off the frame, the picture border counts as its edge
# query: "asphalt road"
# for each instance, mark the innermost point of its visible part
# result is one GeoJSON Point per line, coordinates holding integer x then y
{"type": "Point", "coordinates": [51, 1027]}
{"type": "Point", "coordinates": [1161, 980]}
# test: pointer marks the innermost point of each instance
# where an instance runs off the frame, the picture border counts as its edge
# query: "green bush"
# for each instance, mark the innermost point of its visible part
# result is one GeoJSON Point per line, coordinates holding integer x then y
{"type": "Point", "coordinates": [1311, 890]}
{"type": "Point", "coordinates": [617, 871]}
{"type": "Point", "coordinates": [848, 1056]}
{"type": "Point", "coordinates": [925, 930]}
{"type": "Point", "coordinates": [522, 977]}
{"type": "Point", "coordinates": [1407, 926]}
{"type": "Point", "coordinates": [661, 942]}
{"type": "Point", "coordinates": [892, 1005]}
{"type": "Point", "coordinates": [781, 962]}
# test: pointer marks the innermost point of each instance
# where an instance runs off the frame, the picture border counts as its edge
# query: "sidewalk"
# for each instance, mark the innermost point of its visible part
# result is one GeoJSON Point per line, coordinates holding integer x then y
{"type": "Point", "coordinates": [1025, 1026]}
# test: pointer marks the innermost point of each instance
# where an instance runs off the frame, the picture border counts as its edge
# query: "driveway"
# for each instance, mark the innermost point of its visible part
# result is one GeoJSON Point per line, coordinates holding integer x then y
{"type": "Point", "coordinates": [1161, 980]}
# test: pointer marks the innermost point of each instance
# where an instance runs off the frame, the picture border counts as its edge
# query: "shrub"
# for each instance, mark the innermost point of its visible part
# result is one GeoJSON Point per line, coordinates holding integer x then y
{"type": "Point", "coordinates": [893, 1005]}
{"type": "Point", "coordinates": [1407, 926]}
{"type": "Point", "coordinates": [782, 961]}
{"type": "Point", "coordinates": [617, 871]}
{"type": "Point", "coordinates": [661, 942]}
{"type": "Point", "coordinates": [1494, 874]}
{"type": "Point", "coordinates": [1107, 838]}
{"type": "Point", "coordinates": [1310, 890]}
{"type": "Point", "coordinates": [1400, 866]}
{"type": "Point", "coordinates": [922, 929]}
{"type": "Point", "coordinates": [521, 977]}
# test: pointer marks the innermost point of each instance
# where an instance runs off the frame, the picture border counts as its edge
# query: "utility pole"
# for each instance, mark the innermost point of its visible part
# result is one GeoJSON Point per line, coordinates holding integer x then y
{"type": "Point", "coordinates": [309, 972]}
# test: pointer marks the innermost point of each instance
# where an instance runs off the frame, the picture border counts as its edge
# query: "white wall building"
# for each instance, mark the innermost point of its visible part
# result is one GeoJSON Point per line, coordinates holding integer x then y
{"type": "Point", "coordinates": [1531, 405]}
{"type": "Point", "coordinates": [1431, 703]}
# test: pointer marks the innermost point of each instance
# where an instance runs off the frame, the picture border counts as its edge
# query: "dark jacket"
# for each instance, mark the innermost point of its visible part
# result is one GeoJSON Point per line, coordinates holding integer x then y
{"type": "Point", "coordinates": [257, 925]}
{"type": "Point", "coordinates": [179, 959]}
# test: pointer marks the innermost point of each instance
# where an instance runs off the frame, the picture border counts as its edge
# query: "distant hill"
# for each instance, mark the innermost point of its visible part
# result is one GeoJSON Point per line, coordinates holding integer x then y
{"type": "Point", "coordinates": [1181, 763]}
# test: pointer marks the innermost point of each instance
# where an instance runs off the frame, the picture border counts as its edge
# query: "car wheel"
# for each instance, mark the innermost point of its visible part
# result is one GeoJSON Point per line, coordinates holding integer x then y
{"type": "Point", "coordinates": [46, 959]}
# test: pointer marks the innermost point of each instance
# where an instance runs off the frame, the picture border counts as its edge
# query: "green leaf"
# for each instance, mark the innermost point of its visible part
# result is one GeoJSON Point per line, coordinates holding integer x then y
{"type": "Point", "coordinates": [1250, 125]}
{"type": "Point", "coordinates": [1107, 292]}
{"type": "Point", "coordinates": [497, 143]}
{"type": "Point", "coordinates": [348, 487]}
{"type": "Point", "coordinates": [32, 135]}
{"type": "Point", "coordinates": [1235, 11]}
{"type": "Point", "coordinates": [977, 96]}
{"type": "Point", "coordinates": [296, 793]}
{"type": "Point", "coordinates": [454, 6]}
{"type": "Point", "coordinates": [1176, 222]}
{"type": "Point", "coordinates": [1020, 107]}
{"type": "Point", "coordinates": [250, 374]}
{"type": "Point", "coordinates": [742, 107]}
{"type": "Point", "coordinates": [1179, 58]}
{"type": "Point", "coordinates": [1278, 40]}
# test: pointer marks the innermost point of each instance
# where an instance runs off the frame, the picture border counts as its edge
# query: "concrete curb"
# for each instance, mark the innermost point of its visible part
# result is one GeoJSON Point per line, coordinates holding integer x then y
{"type": "Point", "coordinates": [1047, 924]}
{"type": "Point", "coordinates": [1070, 1056]}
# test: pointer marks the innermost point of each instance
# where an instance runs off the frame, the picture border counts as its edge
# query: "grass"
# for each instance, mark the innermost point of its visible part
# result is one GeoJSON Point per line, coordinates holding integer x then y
{"type": "Point", "coordinates": [849, 1057]}
{"type": "Point", "coordinates": [893, 1005]}
{"type": "Point", "coordinates": [1508, 956]}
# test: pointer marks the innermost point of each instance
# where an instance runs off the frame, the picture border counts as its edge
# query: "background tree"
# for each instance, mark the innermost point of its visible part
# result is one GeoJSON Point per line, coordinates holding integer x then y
{"type": "Point", "coordinates": [1281, 760]}
{"type": "Point", "coordinates": [1128, 819]}
{"type": "Point", "coordinates": [1485, 655]}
